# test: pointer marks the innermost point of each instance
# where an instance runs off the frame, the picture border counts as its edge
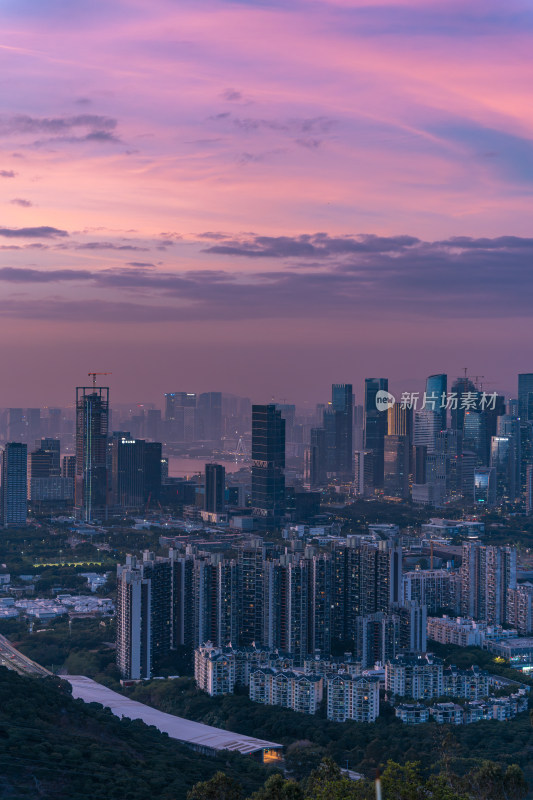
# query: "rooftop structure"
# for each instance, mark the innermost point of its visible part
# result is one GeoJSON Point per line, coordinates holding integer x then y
{"type": "Point", "coordinates": [201, 737]}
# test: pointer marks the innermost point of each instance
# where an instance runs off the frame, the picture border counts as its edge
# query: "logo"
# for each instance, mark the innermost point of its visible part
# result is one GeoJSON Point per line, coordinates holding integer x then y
{"type": "Point", "coordinates": [384, 400]}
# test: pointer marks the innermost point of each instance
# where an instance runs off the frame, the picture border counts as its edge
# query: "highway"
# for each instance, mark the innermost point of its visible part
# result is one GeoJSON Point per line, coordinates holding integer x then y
{"type": "Point", "coordinates": [12, 659]}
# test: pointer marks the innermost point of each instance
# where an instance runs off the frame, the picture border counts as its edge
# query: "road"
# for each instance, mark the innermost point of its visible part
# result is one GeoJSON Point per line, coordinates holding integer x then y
{"type": "Point", "coordinates": [12, 659]}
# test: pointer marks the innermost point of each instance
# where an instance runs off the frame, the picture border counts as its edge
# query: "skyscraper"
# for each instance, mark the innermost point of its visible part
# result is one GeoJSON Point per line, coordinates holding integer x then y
{"type": "Point", "coordinates": [209, 417]}
{"type": "Point", "coordinates": [180, 417]}
{"type": "Point", "coordinates": [92, 421]}
{"type": "Point", "coordinates": [375, 426]}
{"type": "Point", "coordinates": [525, 412]}
{"type": "Point", "coordinates": [461, 386]}
{"type": "Point", "coordinates": [144, 615]}
{"type": "Point", "coordinates": [437, 387]}
{"type": "Point", "coordinates": [135, 471]}
{"type": "Point", "coordinates": [13, 488]}
{"type": "Point", "coordinates": [396, 466]}
{"type": "Point", "coordinates": [342, 405]}
{"type": "Point", "coordinates": [268, 464]}
{"type": "Point", "coordinates": [215, 487]}
{"type": "Point", "coordinates": [487, 572]}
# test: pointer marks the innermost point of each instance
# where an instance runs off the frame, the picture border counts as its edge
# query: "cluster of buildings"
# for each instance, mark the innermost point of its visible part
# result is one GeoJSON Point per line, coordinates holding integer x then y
{"type": "Point", "coordinates": [273, 679]}
{"type": "Point", "coordinates": [298, 601]}
{"type": "Point", "coordinates": [45, 609]}
{"type": "Point", "coordinates": [460, 446]}
{"type": "Point", "coordinates": [350, 691]}
{"type": "Point", "coordinates": [437, 447]}
{"type": "Point", "coordinates": [497, 708]}
{"type": "Point", "coordinates": [303, 599]}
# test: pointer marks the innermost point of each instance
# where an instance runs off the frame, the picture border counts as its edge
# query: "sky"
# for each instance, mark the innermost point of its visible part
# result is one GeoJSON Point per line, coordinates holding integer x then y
{"type": "Point", "coordinates": [263, 197]}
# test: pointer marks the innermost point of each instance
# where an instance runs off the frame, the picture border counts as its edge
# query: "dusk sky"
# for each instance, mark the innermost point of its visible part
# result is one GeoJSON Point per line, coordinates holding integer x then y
{"type": "Point", "coordinates": [263, 197]}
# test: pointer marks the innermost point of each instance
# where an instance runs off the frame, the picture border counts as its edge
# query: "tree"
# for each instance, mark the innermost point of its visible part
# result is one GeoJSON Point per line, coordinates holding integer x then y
{"type": "Point", "coordinates": [277, 788]}
{"type": "Point", "coordinates": [490, 782]}
{"type": "Point", "coordinates": [302, 757]}
{"type": "Point", "coordinates": [219, 787]}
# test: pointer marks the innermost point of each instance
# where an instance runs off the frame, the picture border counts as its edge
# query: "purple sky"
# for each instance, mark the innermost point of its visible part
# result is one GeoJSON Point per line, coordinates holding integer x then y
{"type": "Point", "coordinates": [263, 197]}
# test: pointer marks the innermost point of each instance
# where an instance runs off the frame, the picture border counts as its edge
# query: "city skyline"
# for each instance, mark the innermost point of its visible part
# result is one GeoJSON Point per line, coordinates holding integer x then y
{"type": "Point", "coordinates": [263, 193]}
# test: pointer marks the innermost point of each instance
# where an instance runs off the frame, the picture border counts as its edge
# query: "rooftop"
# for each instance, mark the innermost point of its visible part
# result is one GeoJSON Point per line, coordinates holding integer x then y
{"type": "Point", "coordinates": [184, 730]}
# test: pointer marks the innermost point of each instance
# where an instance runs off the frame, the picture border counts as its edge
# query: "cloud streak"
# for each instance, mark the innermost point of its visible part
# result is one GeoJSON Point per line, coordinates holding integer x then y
{"type": "Point", "coordinates": [40, 232]}
{"type": "Point", "coordinates": [361, 275]}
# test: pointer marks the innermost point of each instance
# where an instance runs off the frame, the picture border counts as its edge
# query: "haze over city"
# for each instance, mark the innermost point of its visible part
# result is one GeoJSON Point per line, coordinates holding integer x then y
{"type": "Point", "coordinates": [262, 197]}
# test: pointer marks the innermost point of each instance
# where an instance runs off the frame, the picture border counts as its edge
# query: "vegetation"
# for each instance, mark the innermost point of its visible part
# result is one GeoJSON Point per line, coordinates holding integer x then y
{"type": "Point", "coordinates": [362, 747]}
{"type": "Point", "coordinates": [82, 647]}
{"type": "Point", "coordinates": [56, 748]}
{"type": "Point", "coordinates": [326, 782]}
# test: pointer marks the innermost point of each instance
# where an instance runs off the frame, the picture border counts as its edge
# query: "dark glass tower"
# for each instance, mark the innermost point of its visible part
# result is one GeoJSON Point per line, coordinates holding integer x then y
{"type": "Point", "coordinates": [342, 405]}
{"type": "Point", "coordinates": [215, 487]}
{"type": "Point", "coordinates": [460, 387]}
{"type": "Point", "coordinates": [14, 489]}
{"type": "Point", "coordinates": [525, 412]}
{"type": "Point", "coordinates": [268, 464]}
{"type": "Point", "coordinates": [437, 386]}
{"type": "Point", "coordinates": [375, 426]}
{"type": "Point", "coordinates": [209, 417]}
{"type": "Point", "coordinates": [92, 422]}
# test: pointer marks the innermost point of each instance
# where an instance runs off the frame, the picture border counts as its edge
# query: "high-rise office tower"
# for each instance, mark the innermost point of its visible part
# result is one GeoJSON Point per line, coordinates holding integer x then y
{"type": "Point", "coordinates": [92, 420]}
{"type": "Point", "coordinates": [153, 425]}
{"type": "Point", "coordinates": [427, 424]}
{"type": "Point", "coordinates": [436, 389]}
{"type": "Point", "coordinates": [55, 422]}
{"type": "Point", "coordinates": [153, 472]}
{"type": "Point", "coordinates": [68, 467]}
{"type": "Point", "coordinates": [525, 396]}
{"type": "Point", "coordinates": [529, 489]}
{"type": "Point", "coordinates": [135, 471]}
{"type": "Point", "coordinates": [209, 417]}
{"type": "Point", "coordinates": [475, 435]}
{"type": "Point", "coordinates": [268, 464]}
{"type": "Point", "coordinates": [396, 466]}
{"type": "Point", "coordinates": [504, 460]}
{"type": "Point", "coordinates": [127, 471]}
{"type": "Point", "coordinates": [53, 446]}
{"type": "Point", "coordinates": [461, 386]}
{"type": "Point", "coordinates": [180, 416]}
{"type": "Point", "coordinates": [45, 483]}
{"type": "Point", "coordinates": [214, 488]}
{"type": "Point", "coordinates": [16, 425]}
{"type": "Point", "coordinates": [288, 412]}
{"type": "Point", "coordinates": [33, 424]}
{"type": "Point", "coordinates": [328, 424]}
{"type": "Point", "coordinates": [419, 454]}
{"type": "Point", "coordinates": [342, 406]}
{"type": "Point", "coordinates": [45, 461]}
{"type": "Point", "coordinates": [13, 486]}
{"type": "Point", "coordinates": [525, 412]}
{"type": "Point", "coordinates": [485, 486]}
{"type": "Point", "coordinates": [400, 421]}
{"type": "Point", "coordinates": [315, 459]}
{"type": "Point", "coordinates": [375, 426]}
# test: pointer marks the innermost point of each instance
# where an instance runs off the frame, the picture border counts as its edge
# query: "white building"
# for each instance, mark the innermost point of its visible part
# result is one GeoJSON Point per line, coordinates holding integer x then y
{"type": "Point", "coordinates": [412, 713]}
{"type": "Point", "coordinates": [465, 632]}
{"type": "Point", "coordinates": [351, 697]}
{"type": "Point", "coordinates": [418, 677]}
{"type": "Point", "coordinates": [214, 670]}
{"type": "Point", "coordinates": [286, 688]}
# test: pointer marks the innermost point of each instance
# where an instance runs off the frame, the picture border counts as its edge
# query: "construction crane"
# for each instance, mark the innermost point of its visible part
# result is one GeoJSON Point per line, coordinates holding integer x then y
{"type": "Point", "coordinates": [94, 374]}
